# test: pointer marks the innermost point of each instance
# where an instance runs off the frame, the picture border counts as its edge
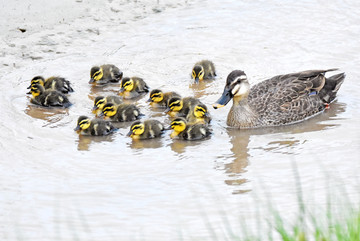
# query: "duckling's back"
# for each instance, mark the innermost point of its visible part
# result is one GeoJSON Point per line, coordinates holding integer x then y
{"type": "Point", "coordinates": [52, 98]}
{"type": "Point", "coordinates": [59, 84]}
{"type": "Point", "coordinates": [153, 128]}
{"type": "Point", "coordinates": [195, 132]}
{"type": "Point", "coordinates": [100, 127]}
{"type": "Point", "coordinates": [127, 112]}
{"type": "Point", "coordinates": [111, 73]}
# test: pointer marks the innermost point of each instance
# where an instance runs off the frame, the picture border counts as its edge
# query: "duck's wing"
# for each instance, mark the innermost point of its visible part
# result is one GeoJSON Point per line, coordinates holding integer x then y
{"type": "Point", "coordinates": [288, 98]}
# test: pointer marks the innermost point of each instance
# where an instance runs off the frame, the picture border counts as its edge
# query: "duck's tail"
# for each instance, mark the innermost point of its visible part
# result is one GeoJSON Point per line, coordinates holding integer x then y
{"type": "Point", "coordinates": [331, 87]}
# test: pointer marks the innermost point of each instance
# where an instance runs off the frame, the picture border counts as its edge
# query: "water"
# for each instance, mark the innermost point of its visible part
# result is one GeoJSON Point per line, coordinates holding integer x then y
{"type": "Point", "coordinates": [56, 185]}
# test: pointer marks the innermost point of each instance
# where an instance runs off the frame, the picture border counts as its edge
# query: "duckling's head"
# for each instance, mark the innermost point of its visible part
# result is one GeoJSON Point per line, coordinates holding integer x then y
{"type": "Point", "coordinates": [96, 73]}
{"type": "Point", "coordinates": [36, 80]}
{"type": "Point", "coordinates": [200, 111]}
{"type": "Point", "coordinates": [198, 73]}
{"type": "Point", "coordinates": [127, 84]}
{"type": "Point", "coordinates": [136, 129]}
{"type": "Point", "coordinates": [237, 87]}
{"type": "Point", "coordinates": [109, 110]}
{"type": "Point", "coordinates": [99, 103]}
{"type": "Point", "coordinates": [83, 123]}
{"type": "Point", "coordinates": [175, 104]}
{"type": "Point", "coordinates": [36, 90]}
{"type": "Point", "coordinates": [178, 125]}
{"type": "Point", "coordinates": [156, 96]}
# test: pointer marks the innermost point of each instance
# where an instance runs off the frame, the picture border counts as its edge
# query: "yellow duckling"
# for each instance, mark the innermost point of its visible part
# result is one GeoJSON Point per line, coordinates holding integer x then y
{"type": "Point", "coordinates": [160, 99]}
{"type": "Point", "coordinates": [148, 129]}
{"type": "Point", "coordinates": [53, 83]}
{"type": "Point", "coordinates": [204, 69]}
{"type": "Point", "coordinates": [104, 74]}
{"type": "Point", "coordinates": [189, 132]}
{"type": "Point", "coordinates": [178, 106]}
{"type": "Point", "coordinates": [100, 101]}
{"type": "Point", "coordinates": [95, 127]}
{"type": "Point", "coordinates": [132, 87]}
{"type": "Point", "coordinates": [198, 114]}
{"type": "Point", "coordinates": [48, 97]}
{"type": "Point", "coordinates": [122, 113]}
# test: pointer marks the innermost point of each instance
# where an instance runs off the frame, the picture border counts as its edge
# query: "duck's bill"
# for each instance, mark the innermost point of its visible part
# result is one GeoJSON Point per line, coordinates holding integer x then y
{"type": "Point", "coordinates": [121, 90]}
{"type": "Point", "coordinates": [28, 93]}
{"type": "Point", "coordinates": [91, 81]}
{"type": "Point", "coordinates": [28, 87]}
{"type": "Point", "coordinates": [223, 100]}
{"type": "Point", "coordinates": [149, 100]}
{"type": "Point", "coordinates": [196, 80]}
{"type": "Point", "coordinates": [129, 133]}
{"type": "Point", "coordinates": [77, 128]}
{"type": "Point", "coordinates": [167, 110]}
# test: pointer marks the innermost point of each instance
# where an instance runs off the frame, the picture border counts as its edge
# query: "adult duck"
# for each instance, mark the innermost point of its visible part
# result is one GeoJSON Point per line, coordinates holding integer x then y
{"type": "Point", "coordinates": [280, 100]}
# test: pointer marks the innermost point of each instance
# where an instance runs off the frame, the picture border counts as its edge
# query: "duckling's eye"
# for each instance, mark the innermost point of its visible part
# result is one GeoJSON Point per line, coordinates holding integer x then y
{"type": "Point", "coordinates": [83, 122]}
{"type": "Point", "coordinates": [126, 84]}
{"type": "Point", "coordinates": [173, 104]}
{"type": "Point", "coordinates": [96, 73]}
{"type": "Point", "coordinates": [193, 73]}
{"type": "Point", "coordinates": [201, 72]}
{"type": "Point", "coordinates": [200, 109]}
{"type": "Point", "coordinates": [155, 96]}
{"type": "Point", "coordinates": [100, 102]}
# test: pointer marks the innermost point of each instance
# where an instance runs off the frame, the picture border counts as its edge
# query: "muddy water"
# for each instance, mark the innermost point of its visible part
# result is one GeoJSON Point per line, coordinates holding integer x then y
{"type": "Point", "coordinates": [56, 185]}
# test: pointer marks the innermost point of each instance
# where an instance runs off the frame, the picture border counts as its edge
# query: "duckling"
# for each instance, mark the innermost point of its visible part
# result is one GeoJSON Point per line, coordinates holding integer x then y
{"type": "Point", "coordinates": [100, 101]}
{"type": "Point", "coordinates": [178, 106]}
{"type": "Point", "coordinates": [160, 99]}
{"type": "Point", "coordinates": [189, 132]}
{"type": "Point", "coordinates": [94, 127]}
{"type": "Point", "coordinates": [48, 97]}
{"type": "Point", "coordinates": [198, 114]}
{"type": "Point", "coordinates": [148, 129]}
{"type": "Point", "coordinates": [204, 69]}
{"type": "Point", "coordinates": [122, 113]}
{"type": "Point", "coordinates": [54, 83]}
{"type": "Point", "coordinates": [104, 74]}
{"type": "Point", "coordinates": [280, 100]}
{"type": "Point", "coordinates": [132, 87]}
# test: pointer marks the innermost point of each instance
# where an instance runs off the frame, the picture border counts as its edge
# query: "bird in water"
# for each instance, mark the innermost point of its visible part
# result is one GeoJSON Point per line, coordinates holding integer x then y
{"type": "Point", "coordinates": [53, 83]}
{"type": "Point", "coordinates": [94, 127]}
{"type": "Point", "coordinates": [105, 74]}
{"type": "Point", "coordinates": [48, 98]}
{"type": "Point", "coordinates": [280, 100]}
{"type": "Point", "coordinates": [148, 129]}
{"type": "Point", "coordinates": [132, 87]}
{"type": "Point", "coordinates": [160, 99]}
{"type": "Point", "coordinates": [190, 132]}
{"type": "Point", "coordinates": [204, 69]}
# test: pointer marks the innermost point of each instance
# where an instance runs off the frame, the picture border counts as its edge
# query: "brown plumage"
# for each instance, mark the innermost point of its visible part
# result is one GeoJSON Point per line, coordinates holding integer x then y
{"type": "Point", "coordinates": [280, 100]}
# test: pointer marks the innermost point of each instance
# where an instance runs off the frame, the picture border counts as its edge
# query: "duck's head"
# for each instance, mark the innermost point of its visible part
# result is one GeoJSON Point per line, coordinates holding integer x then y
{"type": "Point", "coordinates": [156, 96]}
{"type": "Point", "coordinates": [201, 111]}
{"type": "Point", "coordinates": [127, 84]}
{"type": "Point", "coordinates": [136, 129]}
{"type": "Point", "coordinates": [198, 73]}
{"type": "Point", "coordinates": [178, 125]}
{"type": "Point", "coordinates": [99, 103]}
{"type": "Point", "coordinates": [36, 90]}
{"type": "Point", "coordinates": [83, 123]}
{"type": "Point", "coordinates": [109, 110]}
{"type": "Point", "coordinates": [237, 87]}
{"type": "Point", "coordinates": [175, 104]}
{"type": "Point", "coordinates": [36, 80]}
{"type": "Point", "coordinates": [96, 73]}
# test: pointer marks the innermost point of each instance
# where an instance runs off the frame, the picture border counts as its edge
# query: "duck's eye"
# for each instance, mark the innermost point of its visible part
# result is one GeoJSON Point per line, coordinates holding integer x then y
{"type": "Point", "coordinates": [100, 102]}
{"type": "Point", "coordinates": [155, 96]}
{"type": "Point", "coordinates": [126, 84]}
{"type": "Point", "coordinates": [193, 73]}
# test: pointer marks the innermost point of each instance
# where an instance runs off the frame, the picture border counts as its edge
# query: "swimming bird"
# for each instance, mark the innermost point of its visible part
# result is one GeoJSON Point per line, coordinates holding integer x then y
{"type": "Point", "coordinates": [53, 83]}
{"type": "Point", "coordinates": [122, 113]}
{"type": "Point", "coordinates": [180, 107]}
{"type": "Point", "coordinates": [280, 100]}
{"type": "Point", "coordinates": [204, 69]}
{"type": "Point", "coordinates": [132, 87]}
{"type": "Point", "coordinates": [48, 98]}
{"type": "Point", "coordinates": [148, 129]}
{"type": "Point", "coordinates": [190, 132]}
{"type": "Point", "coordinates": [198, 114]}
{"type": "Point", "coordinates": [160, 99]}
{"type": "Point", "coordinates": [104, 74]}
{"type": "Point", "coordinates": [100, 101]}
{"type": "Point", "coordinates": [94, 127]}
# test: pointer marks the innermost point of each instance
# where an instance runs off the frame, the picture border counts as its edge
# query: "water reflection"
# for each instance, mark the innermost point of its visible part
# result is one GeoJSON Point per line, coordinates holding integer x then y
{"type": "Point", "coordinates": [240, 139]}
{"type": "Point", "coordinates": [201, 89]}
{"type": "Point", "coordinates": [141, 144]}
{"type": "Point", "coordinates": [179, 146]}
{"type": "Point", "coordinates": [49, 114]}
{"type": "Point", "coordinates": [84, 142]}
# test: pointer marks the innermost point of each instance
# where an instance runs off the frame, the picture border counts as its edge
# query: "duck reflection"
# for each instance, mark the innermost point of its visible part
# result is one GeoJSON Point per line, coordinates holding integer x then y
{"type": "Point", "coordinates": [151, 143]}
{"type": "Point", "coordinates": [199, 89]}
{"type": "Point", "coordinates": [240, 140]}
{"type": "Point", "coordinates": [84, 142]}
{"type": "Point", "coordinates": [49, 114]}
